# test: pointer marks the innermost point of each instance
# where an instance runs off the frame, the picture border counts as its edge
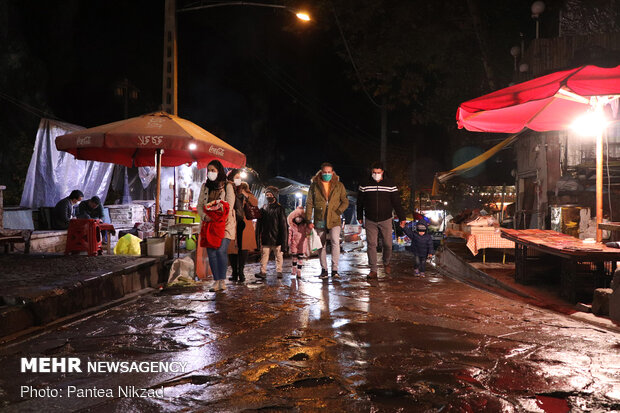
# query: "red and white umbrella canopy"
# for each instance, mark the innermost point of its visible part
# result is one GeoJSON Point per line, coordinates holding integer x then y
{"type": "Point", "coordinates": [550, 102]}
{"type": "Point", "coordinates": [134, 142]}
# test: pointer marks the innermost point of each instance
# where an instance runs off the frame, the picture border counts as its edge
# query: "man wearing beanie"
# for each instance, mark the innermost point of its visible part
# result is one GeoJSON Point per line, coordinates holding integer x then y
{"type": "Point", "coordinates": [271, 232]}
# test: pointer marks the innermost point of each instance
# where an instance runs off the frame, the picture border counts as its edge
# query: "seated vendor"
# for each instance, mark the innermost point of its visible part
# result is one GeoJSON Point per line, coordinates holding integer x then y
{"type": "Point", "coordinates": [63, 211]}
{"type": "Point", "coordinates": [90, 209]}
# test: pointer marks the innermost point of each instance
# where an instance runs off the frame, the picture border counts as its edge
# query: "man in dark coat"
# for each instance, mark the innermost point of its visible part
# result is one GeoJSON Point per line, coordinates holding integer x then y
{"type": "Point", "coordinates": [90, 209]}
{"type": "Point", "coordinates": [63, 211]}
{"type": "Point", "coordinates": [272, 232]}
{"type": "Point", "coordinates": [377, 198]}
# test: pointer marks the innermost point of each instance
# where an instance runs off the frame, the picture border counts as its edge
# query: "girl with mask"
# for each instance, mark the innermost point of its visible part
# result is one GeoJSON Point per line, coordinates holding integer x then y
{"type": "Point", "coordinates": [297, 239]}
{"type": "Point", "coordinates": [245, 240]}
{"type": "Point", "coordinates": [218, 188]}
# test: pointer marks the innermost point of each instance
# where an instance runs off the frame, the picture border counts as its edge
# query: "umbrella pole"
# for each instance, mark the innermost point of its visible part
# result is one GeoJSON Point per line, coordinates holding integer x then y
{"type": "Point", "coordinates": [599, 186]}
{"type": "Point", "coordinates": [158, 162]}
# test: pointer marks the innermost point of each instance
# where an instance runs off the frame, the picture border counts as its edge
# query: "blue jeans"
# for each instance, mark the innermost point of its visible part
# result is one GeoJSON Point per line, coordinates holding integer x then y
{"type": "Point", "coordinates": [218, 260]}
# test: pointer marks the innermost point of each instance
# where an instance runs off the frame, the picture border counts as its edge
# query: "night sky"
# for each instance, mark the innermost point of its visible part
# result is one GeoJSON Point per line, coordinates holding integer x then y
{"type": "Point", "coordinates": [281, 91]}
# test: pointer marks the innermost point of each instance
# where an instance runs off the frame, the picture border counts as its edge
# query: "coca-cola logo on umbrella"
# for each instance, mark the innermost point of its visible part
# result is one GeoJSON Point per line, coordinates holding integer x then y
{"type": "Point", "coordinates": [83, 140]}
{"type": "Point", "coordinates": [216, 151]}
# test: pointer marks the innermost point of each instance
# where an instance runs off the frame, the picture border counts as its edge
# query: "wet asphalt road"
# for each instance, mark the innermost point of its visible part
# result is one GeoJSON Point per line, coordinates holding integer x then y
{"type": "Point", "coordinates": [398, 344]}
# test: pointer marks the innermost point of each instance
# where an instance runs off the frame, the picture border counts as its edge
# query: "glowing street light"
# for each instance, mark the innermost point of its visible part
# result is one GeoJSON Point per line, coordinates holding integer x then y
{"type": "Point", "coordinates": [594, 123]}
{"type": "Point", "coordinates": [303, 16]}
{"type": "Point", "coordinates": [191, 146]}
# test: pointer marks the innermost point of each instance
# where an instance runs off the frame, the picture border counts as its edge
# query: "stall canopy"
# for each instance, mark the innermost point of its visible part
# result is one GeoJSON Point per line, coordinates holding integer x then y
{"type": "Point", "coordinates": [550, 102]}
{"type": "Point", "coordinates": [442, 177]}
{"type": "Point", "coordinates": [135, 141]}
{"type": "Point", "coordinates": [158, 138]}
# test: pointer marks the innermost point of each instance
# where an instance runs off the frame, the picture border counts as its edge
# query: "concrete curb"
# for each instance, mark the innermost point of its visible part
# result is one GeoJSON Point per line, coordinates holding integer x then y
{"type": "Point", "coordinates": [456, 267]}
{"type": "Point", "coordinates": [93, 290]}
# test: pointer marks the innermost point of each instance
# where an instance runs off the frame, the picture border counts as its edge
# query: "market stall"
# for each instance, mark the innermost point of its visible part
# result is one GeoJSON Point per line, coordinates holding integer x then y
{"type": "Point", "coordinates": [579, 258]}
{"type": "Point", "coordinates": [480, 232]}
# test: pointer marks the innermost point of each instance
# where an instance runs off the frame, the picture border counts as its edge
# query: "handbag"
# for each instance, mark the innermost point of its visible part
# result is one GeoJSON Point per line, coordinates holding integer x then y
{"type": "Point", "coordinates": [251, 211]}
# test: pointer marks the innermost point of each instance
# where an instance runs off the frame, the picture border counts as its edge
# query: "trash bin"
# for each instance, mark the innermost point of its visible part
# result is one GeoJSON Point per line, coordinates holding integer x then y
{"type": "Point", "coordinates": [156, 247]}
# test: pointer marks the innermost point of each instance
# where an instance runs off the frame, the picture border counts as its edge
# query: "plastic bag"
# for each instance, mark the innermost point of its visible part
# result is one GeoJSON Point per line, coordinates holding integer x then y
{"type": "Point", "coordinates": [128, 245]}
{"type": "Point", "coordinates": [314, 242]}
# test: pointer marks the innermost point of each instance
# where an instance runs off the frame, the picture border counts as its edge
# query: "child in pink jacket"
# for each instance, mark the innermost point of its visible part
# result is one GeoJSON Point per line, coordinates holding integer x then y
{"type": "Point", "coordinates": [297, 239]}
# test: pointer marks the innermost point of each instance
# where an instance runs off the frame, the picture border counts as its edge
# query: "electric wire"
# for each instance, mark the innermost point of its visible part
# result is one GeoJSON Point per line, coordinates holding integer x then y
{"type": "Point", "coordinates": [346, 45]}
{"type": "Point", "coordinates": [28, 108]}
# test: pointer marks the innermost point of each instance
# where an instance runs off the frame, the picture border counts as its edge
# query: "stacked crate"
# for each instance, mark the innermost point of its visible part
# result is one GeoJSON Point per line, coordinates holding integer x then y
{"type": "Point", "coordinates": [125, 216]}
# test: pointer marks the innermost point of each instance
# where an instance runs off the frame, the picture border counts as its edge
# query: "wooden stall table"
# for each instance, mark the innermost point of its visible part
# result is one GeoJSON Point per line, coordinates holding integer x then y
{"type": "Point", "coordinates": [571, 250]}
{"type": "Point", "coordinates": [481, 241]}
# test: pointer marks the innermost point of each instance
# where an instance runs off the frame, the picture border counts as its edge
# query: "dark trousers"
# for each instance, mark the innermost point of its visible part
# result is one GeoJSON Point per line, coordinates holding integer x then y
{"type": "Point", "coordinates": [420, 263]}
{"type": "Point", "coordinates": [237, 261]}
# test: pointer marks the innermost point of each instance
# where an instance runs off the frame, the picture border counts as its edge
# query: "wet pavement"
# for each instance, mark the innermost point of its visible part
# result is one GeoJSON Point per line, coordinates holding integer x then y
{"type": "Point", "coordinates": [401, 343]}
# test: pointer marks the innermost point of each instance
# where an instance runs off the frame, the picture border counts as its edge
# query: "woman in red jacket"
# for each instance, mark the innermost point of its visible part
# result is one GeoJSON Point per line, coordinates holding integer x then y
{"type": "Point", "coordinates": [217, 188]}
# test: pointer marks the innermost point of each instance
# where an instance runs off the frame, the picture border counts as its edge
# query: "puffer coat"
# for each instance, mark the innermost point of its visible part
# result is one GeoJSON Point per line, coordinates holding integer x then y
{"type": "Point", "coordinates": [297, 233]}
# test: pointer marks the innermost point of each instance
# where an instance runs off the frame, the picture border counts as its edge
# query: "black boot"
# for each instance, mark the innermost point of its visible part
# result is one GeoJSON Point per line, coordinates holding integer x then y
{"type": "Point", "coordinates": [243, 256]}
{"type": "Point", "coordinates": [233, 263]}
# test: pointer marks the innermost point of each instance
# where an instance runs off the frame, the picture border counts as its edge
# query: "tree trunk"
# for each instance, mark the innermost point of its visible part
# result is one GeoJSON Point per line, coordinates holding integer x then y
{"type": "Point", "coordinates": [482, 36]}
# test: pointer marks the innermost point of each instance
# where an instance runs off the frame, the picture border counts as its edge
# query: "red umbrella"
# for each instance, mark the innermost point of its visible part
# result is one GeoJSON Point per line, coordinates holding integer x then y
{"type": "Point", "coordinates": [157, 138]}
{"type": "Point", "coordinates": [551, 102]}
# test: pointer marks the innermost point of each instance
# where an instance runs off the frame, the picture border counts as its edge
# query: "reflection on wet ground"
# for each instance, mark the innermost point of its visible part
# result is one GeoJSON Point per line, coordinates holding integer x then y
{"type": "Point", "coordinates": [400, 343]}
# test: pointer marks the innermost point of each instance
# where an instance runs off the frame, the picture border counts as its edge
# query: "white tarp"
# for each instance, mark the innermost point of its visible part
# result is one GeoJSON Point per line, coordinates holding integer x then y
{"type": "Point", "coordinates": [53, 174]}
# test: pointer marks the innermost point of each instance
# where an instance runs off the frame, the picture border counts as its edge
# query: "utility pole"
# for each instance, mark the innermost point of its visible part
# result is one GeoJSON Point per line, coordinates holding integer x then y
{"type": "Point", "coordinates": [169, 85]}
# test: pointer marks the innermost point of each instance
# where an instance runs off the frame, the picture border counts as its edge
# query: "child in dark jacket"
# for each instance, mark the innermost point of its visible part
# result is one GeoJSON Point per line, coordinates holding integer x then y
{"type": "Point", "coordinates": [421, 246]}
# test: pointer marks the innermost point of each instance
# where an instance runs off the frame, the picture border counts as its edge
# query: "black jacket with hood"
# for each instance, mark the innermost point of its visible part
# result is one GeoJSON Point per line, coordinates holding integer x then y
{"type": "Point", "coordinates": [421, 245]}
{"type": "Point", "coordinates": [378, 200]}
{"type": "Point", "coordinates": [272, 227]}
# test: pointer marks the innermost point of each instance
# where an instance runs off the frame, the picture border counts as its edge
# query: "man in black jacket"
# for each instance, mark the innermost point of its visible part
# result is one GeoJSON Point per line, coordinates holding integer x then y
{"type": "Point", "coordinates": [378, 196]}
{"type": "Point", "coordinates": [63, 211]}
{"type": "Point", "coordinates": [272, 232]}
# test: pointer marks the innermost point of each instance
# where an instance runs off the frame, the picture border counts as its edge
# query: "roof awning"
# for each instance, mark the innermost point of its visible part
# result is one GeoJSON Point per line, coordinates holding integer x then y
{"type": "Point", "coordinates": [443, 177]}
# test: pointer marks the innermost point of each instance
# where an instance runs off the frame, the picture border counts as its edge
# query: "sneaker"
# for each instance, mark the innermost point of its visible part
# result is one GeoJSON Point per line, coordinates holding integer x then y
{"type": "Point", "coordinates": [387, 268]}
{"type": "Point", "coordinates": [417, 272]}
{"type": "Point", "coordinates": [279, 275]}
{"type": "Point", "coordinates": [233, 279]}
{"type": "Point", "coordinates": [372, 275]}
{"type": "Point", "coordinates": [323, 275]}
{"type": "Point", "coordinates": [422, 274]}
{"type": "Point", "coordinates": [222, 285]}
{"type": "Point", "coordinates": [260, 275]}
{"type": "Point", "coordinates": [335, 274]}
{"type": "Point", "coordinates": [215, 286]}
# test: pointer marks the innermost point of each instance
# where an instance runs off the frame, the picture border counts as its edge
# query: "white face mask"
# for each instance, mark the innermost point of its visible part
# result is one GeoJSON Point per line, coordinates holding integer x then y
{"type": "Point", "coordinates": [212, 176]}
{"type": "Point", "coordinates": [377, 177]}
{"type": "Point", "coordinates": [237, 181]}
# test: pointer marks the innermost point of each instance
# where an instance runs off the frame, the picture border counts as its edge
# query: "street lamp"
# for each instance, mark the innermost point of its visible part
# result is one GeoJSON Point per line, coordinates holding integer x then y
{"type": "Point", "coordinates": [538, 7]}
{"type": "Point", "coordinates": [594, 123]}
{"type": "Point", "coordinates": [170, 78]}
